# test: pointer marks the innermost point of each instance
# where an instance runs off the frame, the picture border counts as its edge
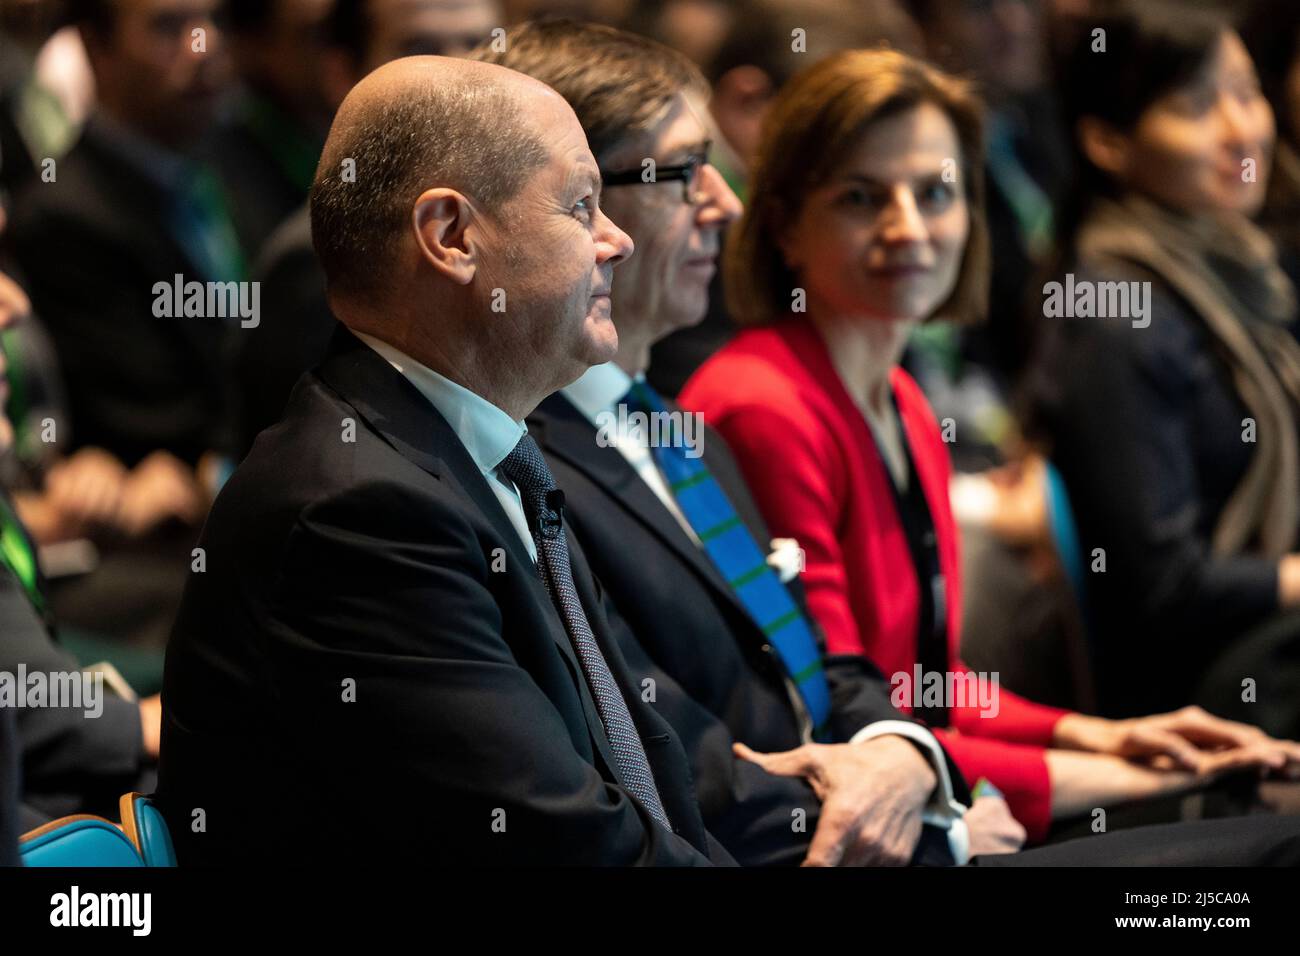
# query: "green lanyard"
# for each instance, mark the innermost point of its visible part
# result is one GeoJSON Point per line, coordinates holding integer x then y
{"type": "Point", "coordinates": [16, 409]}
{"type": "Point", "coordinates": [16, 554]}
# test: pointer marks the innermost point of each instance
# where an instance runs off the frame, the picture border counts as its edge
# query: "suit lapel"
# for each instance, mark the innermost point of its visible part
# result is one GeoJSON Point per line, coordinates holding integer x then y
{"type": "Point", "coordinates": [405, 419]}
{"type": "Point", "coordinates": [562, 430]}
{"type": "Point", "coordinates": [396, 410]}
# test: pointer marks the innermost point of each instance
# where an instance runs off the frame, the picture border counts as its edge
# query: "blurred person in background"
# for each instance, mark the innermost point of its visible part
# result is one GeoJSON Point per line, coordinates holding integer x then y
{"type": "Point", "coordinates": [131, 205]}
{"type": "Point", "coordinates": [359, 36]}
{"type": "Point", "coordinates": [608, 12]}
{"type": "Point", "coordinates": [388, 29]}
{"type": "Point", "coordinates": [266, 153]}
{"type": "Point", "coordinates": [1021, 618]}
{"type": "Point", "coordinates": [67, 501]}
{"type": "Point", "coordinates": [70, 507]}
{"type": "Point", "coordinates": [771, 40]}
{"type": "Point", "coordinates": [834, 263]}
{"type": "Point", "coordinates": [696, 28]}
{"type": "Point", "coordinates": [1002, 46]}
{"type": "Point", "coordinates": [1176, 430]}
{"type": "Point", "coordinates": [68, 760]}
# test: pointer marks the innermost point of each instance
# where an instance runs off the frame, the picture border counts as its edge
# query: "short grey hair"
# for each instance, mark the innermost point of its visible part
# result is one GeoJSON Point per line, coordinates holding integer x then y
{"type": "Point", "coordinates": [467, 136]}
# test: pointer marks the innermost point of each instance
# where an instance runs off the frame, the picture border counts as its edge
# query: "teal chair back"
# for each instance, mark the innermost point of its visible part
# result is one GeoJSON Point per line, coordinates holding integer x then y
{"type": "Point", "coordinates": [80, 840]}
{"type": "Point", "coordinates": [1075, 628]}
{"type": "Point", "coordinates": [147, 830]}
{"type": "Point", "coordinates": [84, 840]}
{"type": "Point", "coordinates": [1065, 533]}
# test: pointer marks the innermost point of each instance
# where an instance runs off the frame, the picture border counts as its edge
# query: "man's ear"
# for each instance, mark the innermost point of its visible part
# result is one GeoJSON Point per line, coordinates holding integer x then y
{"type": "Point", "coordinates": [1104, 146]}
{"type": "Point", "coordinates": [441, 218]}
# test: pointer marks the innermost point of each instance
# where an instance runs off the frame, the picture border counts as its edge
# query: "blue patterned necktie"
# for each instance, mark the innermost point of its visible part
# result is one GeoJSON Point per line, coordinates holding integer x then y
{"type": "Point", "coordinates": [543, 503]}
{"type": "Point", "coordinates": [738, 558]}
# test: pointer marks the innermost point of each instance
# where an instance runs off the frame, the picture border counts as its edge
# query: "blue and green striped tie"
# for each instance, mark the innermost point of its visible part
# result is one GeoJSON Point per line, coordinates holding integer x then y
{"type": "Point", "coordinates": [739, 559]}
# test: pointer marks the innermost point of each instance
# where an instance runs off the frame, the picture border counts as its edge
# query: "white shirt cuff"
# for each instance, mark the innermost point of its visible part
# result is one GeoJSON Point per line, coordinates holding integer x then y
{"type": "Point", "coordinates": [943, 810]}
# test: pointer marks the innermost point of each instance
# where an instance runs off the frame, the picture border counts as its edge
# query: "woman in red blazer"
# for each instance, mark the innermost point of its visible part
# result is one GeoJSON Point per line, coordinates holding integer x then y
{"type": "Point", "coordinates": [865, 219]}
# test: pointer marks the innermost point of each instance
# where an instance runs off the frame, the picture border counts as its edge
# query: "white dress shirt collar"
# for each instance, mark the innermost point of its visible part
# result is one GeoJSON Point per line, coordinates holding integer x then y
{"type": "Point", "coordinates": [595, 395]}
{"type": "Point", "coordinates": [487, 432]}
{"type": "Point", "coordinates": [599, 389]}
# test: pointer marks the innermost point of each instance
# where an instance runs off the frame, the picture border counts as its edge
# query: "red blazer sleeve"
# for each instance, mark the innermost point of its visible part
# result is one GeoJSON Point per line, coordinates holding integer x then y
{"type": "Point", "coordinates": [1017, 720]}
{"type": "Point", "coordinates": [797, 482]}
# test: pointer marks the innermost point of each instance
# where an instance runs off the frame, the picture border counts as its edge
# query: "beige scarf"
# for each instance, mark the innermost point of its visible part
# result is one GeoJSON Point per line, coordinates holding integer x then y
{"type": "Point", "coordinates": [1226, 269]}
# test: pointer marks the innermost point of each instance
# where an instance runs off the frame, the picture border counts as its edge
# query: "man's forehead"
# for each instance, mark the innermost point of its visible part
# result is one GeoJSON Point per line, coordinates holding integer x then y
{"type": "Point", "coordinates": [578, 170]}
{"type": "Point", "coordinates": [688, 133]}
{"type": "Point", "coordinates": [680, 129]}
{"type": "Point", "coordinates": [584, 166]}
{"type": "Point", "coordinates": [552, 120]}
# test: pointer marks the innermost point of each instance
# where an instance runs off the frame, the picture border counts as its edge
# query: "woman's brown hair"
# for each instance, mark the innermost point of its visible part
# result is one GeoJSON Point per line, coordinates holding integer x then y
{"type": "Point", "coordinates": [814, 124]}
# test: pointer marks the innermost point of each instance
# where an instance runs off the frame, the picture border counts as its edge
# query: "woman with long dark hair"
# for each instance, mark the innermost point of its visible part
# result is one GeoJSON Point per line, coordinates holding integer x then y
{"type": "Point", "coordinates": [1176, 423]}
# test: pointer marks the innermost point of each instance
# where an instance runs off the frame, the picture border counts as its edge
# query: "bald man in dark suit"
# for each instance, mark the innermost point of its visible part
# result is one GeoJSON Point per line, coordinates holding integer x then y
{"type": "Point", "coordinates": [406, 628]}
